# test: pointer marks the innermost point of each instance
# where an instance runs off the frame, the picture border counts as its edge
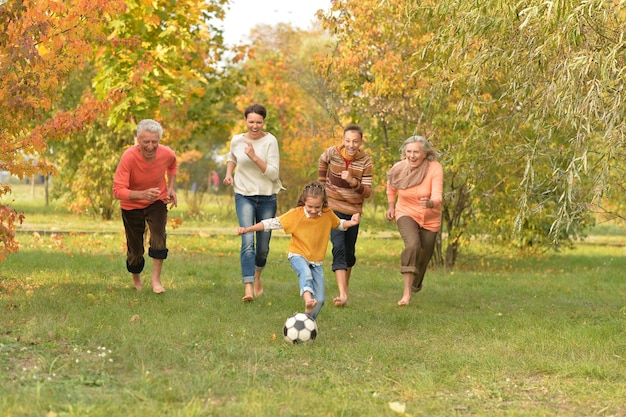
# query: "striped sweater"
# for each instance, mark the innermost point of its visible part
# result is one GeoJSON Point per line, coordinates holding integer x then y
{"type": "Point", "coordinates": [342, 197]}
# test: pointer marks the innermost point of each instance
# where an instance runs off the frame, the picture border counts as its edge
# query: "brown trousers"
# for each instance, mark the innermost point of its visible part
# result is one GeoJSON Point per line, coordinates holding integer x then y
{"type": "Point", "coordinates": [419, 245]}
{"type": "Point", "coordinates": [135, 221]}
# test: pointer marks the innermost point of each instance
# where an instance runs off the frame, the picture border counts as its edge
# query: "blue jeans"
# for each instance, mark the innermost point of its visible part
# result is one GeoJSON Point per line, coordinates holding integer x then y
{"type": "Point", "coordinates": [310, 278]}
{"type": "Point", "coordinates": [251, 210]}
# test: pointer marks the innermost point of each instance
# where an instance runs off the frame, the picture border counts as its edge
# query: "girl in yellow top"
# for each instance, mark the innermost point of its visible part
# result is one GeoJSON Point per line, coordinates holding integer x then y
{"type": "Point", "coordinates": [417, 184]}
{"type": "Point", "coordinates": [309, 225]}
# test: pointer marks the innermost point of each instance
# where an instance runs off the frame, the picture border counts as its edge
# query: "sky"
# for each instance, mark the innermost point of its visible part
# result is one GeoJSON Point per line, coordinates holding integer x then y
{"type": "Point", "coordinates": [243, 15]}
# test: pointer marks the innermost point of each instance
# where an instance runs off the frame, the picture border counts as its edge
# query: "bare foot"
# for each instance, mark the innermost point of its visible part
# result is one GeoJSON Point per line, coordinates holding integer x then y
{"type": "Point", "coordinates": [137, 283]}
{"type": "Point", "coordinates": [310, 305]}
{"type": "Point", "coordinates": [404, 302]}
{"type": "Point", "coordinates": [158, 289]}
{"type": "Point", "coordinates": [340, 302]}
{"type": "Point", "coordinates": [249, 295]}
{"type": "Point", "coordinates": [258, 286]}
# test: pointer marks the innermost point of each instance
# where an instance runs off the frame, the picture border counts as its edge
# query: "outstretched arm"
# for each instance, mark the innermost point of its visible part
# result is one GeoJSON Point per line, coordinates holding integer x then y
{"type": "Point", "coordinates": [256, 228]}
{"type": "Point", "coordinates": [346, 224]}
{"type": "Point", "coordinates": [263, 225]}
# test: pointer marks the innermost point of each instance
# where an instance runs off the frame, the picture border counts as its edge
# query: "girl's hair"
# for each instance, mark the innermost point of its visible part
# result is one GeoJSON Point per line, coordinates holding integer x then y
{"type": "Point", "coordinates": [313, 189]}
{"type": "Point", "coordinates": [255, 108]}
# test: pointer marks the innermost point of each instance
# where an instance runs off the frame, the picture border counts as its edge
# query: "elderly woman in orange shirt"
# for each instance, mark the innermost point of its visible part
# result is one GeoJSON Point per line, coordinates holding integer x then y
{"type": "Point", "coordinates": [414, 196]}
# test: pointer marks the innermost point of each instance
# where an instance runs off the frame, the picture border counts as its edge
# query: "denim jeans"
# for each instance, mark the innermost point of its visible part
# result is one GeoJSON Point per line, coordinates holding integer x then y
{"type": "Point", "coordinates": [310, 278]}
{"type": "Point", "coordinates": [251, 210]}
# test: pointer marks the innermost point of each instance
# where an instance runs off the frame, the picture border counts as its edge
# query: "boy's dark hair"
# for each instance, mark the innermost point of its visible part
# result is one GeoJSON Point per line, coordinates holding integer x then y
{"type": "Point", "coordinates": [313, 189]}
{"type": "Point", "coordinates": [354, 127]}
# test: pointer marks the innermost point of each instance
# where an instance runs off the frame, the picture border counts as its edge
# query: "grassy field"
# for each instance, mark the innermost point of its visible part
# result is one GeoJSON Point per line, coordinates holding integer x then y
{"type": "Point", "coordinates": [499, 335]}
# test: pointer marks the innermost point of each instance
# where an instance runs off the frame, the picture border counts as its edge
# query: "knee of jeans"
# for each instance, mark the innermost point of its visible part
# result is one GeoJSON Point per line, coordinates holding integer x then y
{"type": "Point", "coordinates": [307, 276]}
{"type": "Point", "coordinates": [247, 243]}
{"type": "Point", "coordinates": [263, 245]}
{"type": "Point", "coordinates": [261, 255]}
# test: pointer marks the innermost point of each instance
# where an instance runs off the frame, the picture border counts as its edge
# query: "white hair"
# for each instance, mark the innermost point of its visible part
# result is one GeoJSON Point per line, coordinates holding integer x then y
{"type": "Point", "coordinates": [150, 126]}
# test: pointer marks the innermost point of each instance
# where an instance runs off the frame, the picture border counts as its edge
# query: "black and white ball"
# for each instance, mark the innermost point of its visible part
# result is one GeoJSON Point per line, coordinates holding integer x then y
{"type": "Point", "coordinates": [300, 328]}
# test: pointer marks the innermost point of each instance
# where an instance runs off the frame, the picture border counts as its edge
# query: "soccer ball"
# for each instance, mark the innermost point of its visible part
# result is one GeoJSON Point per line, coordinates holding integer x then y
{"type": "Point", "coordinates": [300, 328]}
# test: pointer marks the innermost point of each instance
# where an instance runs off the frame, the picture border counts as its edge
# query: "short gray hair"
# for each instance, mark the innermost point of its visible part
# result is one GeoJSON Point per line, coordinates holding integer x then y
{"type": "Point", "coordinates": [150, 126]}
{"type": "Point", "coordinates": [431, 154]}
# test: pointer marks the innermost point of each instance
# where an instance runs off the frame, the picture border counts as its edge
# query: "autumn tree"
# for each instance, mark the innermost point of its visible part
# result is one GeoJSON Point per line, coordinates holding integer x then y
{"type": "Point", "coordinates": [381, 71]}
{"type": "Point", "coordinates": [521, 99]}
{"type": "Point", "coordinates": [276, 67]}
{"type": "Point", "coordinates": [563, 69]}
{"type": "Point", "coordinates": [161, 57]}
{"type": "Point", "coordinates": [41, 43]}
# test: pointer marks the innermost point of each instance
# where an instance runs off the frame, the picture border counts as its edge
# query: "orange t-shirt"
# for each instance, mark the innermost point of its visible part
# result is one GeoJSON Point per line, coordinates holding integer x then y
{"type": "Point", "coordinates": [135, 173]}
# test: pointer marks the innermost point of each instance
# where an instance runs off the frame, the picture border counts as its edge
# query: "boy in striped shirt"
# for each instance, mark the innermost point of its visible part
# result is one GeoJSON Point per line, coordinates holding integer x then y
{"type": "Point", "coordinates": [345, 170]}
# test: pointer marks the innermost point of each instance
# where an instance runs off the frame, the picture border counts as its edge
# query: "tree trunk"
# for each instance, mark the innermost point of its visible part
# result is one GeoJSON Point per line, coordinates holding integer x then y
{"type": "Point", "coordinates": [46, 182]}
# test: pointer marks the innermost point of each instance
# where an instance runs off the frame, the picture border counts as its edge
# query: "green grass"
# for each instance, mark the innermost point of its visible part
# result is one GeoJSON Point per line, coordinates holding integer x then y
{"type": "Point", "coordinates": [499, 335]}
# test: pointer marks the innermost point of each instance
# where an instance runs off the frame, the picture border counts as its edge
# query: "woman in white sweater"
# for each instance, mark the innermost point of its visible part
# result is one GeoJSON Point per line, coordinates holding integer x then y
{"type": "Point", "coordinates": [255, 160]}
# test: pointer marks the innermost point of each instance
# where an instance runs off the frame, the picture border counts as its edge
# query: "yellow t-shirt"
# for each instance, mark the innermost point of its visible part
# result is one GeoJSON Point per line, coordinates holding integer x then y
{"type": "Point", "coordinates": [309, 235]}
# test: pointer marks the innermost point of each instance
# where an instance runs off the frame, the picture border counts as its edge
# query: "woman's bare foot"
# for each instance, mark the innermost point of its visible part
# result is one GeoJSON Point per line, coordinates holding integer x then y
{"type": "Point", "coordinates": [404, 302]}
{"type": "Point", "coordinates": [340, 302]}
{"type": "Point", "coordinates": [137, 282]}
{"type": "Point", "coordinates": [258, 286]}
{"type": "Point", "coordinates": [249, 296]}
{"type": "Point", "coordinates": [310, 305]}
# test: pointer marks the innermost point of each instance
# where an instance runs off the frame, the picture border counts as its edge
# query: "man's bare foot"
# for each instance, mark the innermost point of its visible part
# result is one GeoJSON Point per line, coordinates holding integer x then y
{"type": "Point", "coordinates": [247, 298]}
{"type": "Point", "coordinates": [137, 283]}
{"type": "Point", "coordinates": [158, 289]}
{"type": "Point", "coordinates": [340, 302]}
{"type": "Point", "coordinates": [310, 305]}
{"type": "Point", "coordinates": [404, 302]}
{"type": "Point", "coordinates": [258, 292]}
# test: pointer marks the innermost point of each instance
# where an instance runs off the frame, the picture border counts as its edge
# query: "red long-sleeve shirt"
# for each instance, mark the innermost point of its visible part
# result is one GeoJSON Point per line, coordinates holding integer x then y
{"type": "Point", "coordinates": [134, 173]}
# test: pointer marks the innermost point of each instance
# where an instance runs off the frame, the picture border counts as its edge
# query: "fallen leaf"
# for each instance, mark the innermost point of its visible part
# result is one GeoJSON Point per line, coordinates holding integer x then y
{"type": "Point", "coordinates": [399, 408]}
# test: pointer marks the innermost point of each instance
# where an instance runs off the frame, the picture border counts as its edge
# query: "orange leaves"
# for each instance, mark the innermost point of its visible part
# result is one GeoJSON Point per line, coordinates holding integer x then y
{"type": "Point", "coordinates": [190, 157]}
{"type": "Point", "coordinates": [175, 222]}
{"type": "Point", "coordinates": [8, 218]}
{"type": "Point", "coordinates": [42, 43]}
